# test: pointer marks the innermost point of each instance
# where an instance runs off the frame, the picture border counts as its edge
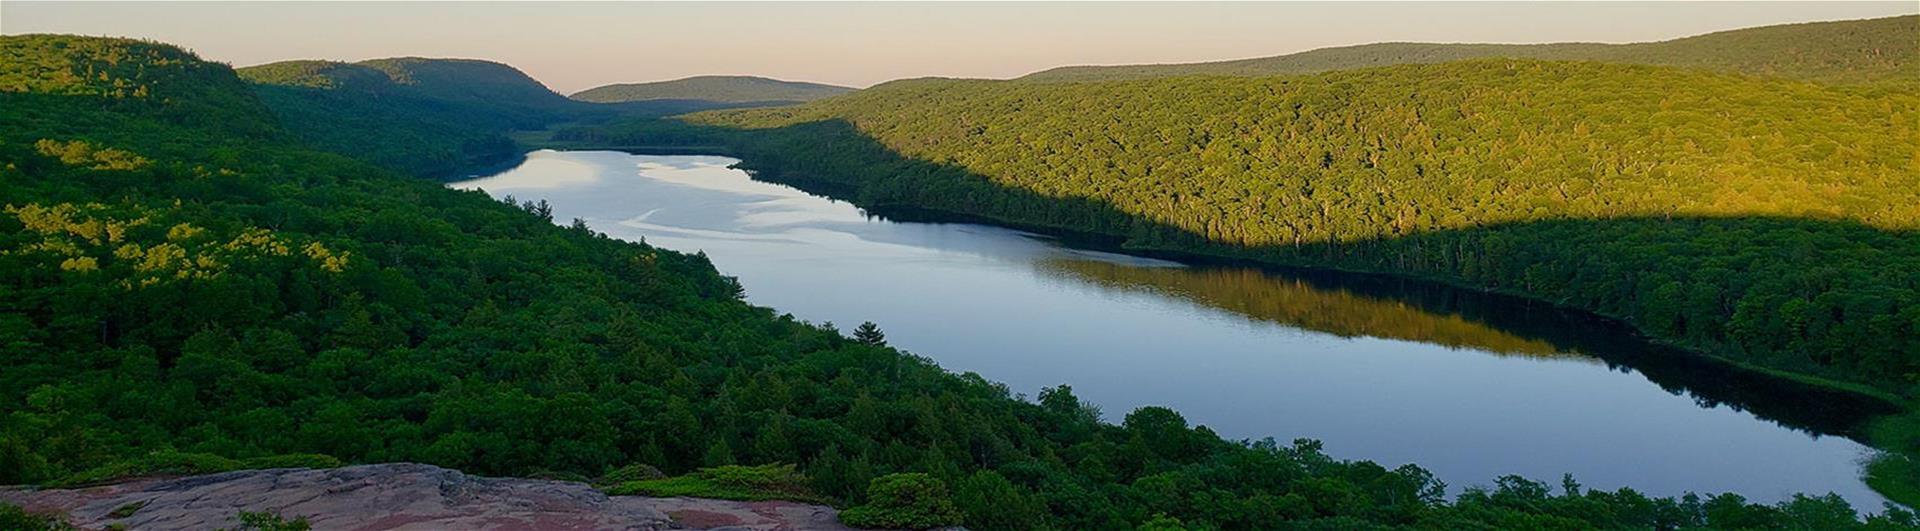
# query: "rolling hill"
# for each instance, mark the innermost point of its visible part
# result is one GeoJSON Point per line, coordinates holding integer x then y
{"type": "Point", "coordinates": [1763, 220]}
{"type": "Point", "coordinates": [1470, 172]}
{"type": "Point", "coordinates": [319, 74]}
{"type": "Point", "coordinates": [469, 81]}
{"type": "Point", "coordinates": [188, 287]}
{"type": "Point", "coordinates": [1852, 51]}
{"type": "Point", "coordinates": [428, 117]}
{"type": "Point", "coordinates": [718, 89]}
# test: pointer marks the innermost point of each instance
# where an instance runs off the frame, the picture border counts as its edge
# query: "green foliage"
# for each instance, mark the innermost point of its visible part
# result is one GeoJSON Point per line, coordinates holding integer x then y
{"type": "Point", "coordinates": [1162, 522]}
{"type": "Point", "coordinates": [330, 75]}
{"type": "Point", "coordinates": [1685, 203]}
{"type": "Point", "coordinates": [242, 296]}
{"type": "Point", "coordinates": [168, 462]}
{"type": "Point", "coordinates": [731, 482]}
{"type": "Point", "coordinates": [15, 518]}
{"type": "Point", "coordinates": [431, 117]}
{"type": "Point", "coordinates": [633, 472]}
{"type": "Point", "coordinates": [987, 500]}
{"type": "Point", "coordinates": [437, 118]}
{"type": "Point", "coordinates": [124, 74]}
{"type": "Point", "coordinates": [904, 501]}
{"type": "Point", "coordinates": [80, 153]}
{"type": "Point", "coordinates": [469, 81]}
{"type": "Point", "coordinates": [1895, 472]}
{"type": "Point", "coordinates": [266, 521]}
{"type": "Point", "coordinates": [716, 89]}
{"type": "Point", "coordinates": [126, 510]}
{"type": "Point", "coordinates": [869, 334]}
{"type": "Point", "coordinates": [1853, 51]}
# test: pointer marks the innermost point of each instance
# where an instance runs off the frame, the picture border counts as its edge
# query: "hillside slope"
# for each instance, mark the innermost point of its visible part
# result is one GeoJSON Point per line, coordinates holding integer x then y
{"type": "Point", "coordinates": [1852, 51]}
{"type": "Point", "coordinates": [469, 81]}
{"type": "Point", "coordinates": [319, 74]}
{"type": "Point", "coordinates": [437, 118]}
{"type": "Point", "coordinates": [1682, 201]}
{"type": "Point", "coordinates": [718, 89]}
{"type": "Point", "coordinates": [184, 295]}
{"type": "Point", "coordinates": [428, 117]}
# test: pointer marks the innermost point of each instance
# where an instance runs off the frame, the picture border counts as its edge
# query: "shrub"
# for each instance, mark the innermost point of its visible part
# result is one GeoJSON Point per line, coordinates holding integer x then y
{"type": "Point", "coordinates": [633, 472]}
{"type": "Point", "coordinates": [168, 462]}
{"type": "Point", "coordinates": [266, 521]}
{"type": "Point", "coordinates": [13, 517]}
{"type": "Point", "coordinates": [909, 501]}
{"type": "Point", "coordinates": [731, 482]}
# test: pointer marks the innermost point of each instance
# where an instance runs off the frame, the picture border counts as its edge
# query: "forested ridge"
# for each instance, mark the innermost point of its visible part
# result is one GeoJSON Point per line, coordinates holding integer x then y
{"type": "Point", "coordinates": [720, 89]}
{"type": "Point", "coordinates": [438, 118]}
{"type": "Point", "coordinates": [361, 112]}
{"type": "Point", "coordinates": [1762, 220]}
{"type": "Point", "coordinates": [1848, 51]}
{"type": "Point", "coordinates": [186, 286]}
{"type": "Point", "coordinates": [1690, 204]}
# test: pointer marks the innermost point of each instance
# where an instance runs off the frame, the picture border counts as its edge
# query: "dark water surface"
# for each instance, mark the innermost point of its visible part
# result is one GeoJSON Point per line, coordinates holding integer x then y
{"type": "Point", "coordinates": [1470, 386]}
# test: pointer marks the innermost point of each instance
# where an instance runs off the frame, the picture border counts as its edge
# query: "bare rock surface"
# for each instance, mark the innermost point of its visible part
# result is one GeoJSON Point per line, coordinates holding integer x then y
{"type": "Point", "coordinates": [403, 496]}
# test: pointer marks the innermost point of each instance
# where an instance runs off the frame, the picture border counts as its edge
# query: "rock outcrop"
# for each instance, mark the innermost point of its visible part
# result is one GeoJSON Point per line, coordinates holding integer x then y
{"type": "Point", "coordinates": [400, 496]}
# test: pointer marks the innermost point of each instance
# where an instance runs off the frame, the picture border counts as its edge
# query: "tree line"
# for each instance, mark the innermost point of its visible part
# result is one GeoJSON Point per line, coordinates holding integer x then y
{"type": "Point", "coordinates": [179, 295]}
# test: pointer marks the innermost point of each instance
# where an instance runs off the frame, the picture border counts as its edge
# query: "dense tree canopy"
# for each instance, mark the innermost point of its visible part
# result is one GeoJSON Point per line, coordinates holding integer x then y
{"type": "Point", "coordinates": [717, 89]}
{"type": "Point", "coordinates": [436, 118]}
{"type": "Point", "coordinates": [1761, 220]}
{"type": "Point", "coordinates": [178, 293]}
{"type": "Point", "coordinates": [1848, 51]}
{"type": "Point", "coordinates": [429, 117]}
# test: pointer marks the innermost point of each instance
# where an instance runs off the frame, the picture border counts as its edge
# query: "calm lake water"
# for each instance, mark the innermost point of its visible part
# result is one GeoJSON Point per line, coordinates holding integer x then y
{"type": "Point", "coordinates": [1469, 386]}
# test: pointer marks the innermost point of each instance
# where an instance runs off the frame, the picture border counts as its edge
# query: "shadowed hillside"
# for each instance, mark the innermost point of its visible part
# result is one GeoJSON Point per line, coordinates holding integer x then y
{"type": "Point", "coordinates": [1766, 221]}
{"type": "Point", "coordinates": [188, 295]}
{"type": "Point", "coordinates": [469, 81]}
{"type": "Point", "coordinates": [429, 117]}
{"type": "Point", "coordinates": [717, 89]}
{"type": "Point", "coordinates": [1853, 51]}
{"type": "Point", "coordinates": [439, 118]}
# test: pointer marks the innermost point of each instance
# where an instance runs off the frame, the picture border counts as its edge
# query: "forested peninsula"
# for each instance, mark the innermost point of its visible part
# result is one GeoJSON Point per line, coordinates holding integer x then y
{"type": "Point", "coordinates": [207, 272]}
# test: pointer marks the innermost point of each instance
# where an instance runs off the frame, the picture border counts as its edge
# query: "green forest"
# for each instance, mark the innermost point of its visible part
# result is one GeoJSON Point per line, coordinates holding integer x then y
{"type": "Point", "coordinates": [190, 281]}
{"type": "Point", "coordinates": [1762, 220]}
{"type": "Point", "coordinates": [1615, 189]}
{"type": "Point", "coordinates": [1848, 51]}
{"type": "Point", "coordinates": [436, 118]}
{"type": "Point", "coordinates": [717, 89]}
{"type": "Point", "coordinates": [363, 112]}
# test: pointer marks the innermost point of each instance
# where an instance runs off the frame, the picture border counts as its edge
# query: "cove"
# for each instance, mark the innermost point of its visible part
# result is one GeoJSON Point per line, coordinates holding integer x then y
{"type": "Point", "coordinates": [1467, 385]}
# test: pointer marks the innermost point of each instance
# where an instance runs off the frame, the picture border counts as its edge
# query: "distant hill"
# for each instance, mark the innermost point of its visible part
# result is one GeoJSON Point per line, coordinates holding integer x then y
{"type": "Point", "coordinates": [721, 89]}
{"type": "Point", "coordinates": [469, 80]}
{"type": "Point", "coordinates": [499, 88]}
{"type": "Point", "coordinates": [432, 117]}
{"type": "Point", "coordinates": [329, 75]}
{"type": "Point", "coordinates": [128, 72]}
{"type": "Point", "coordinates": [444, 117]}
{"type": "Point", "coordinates": [179, 295]}
{"type": "Point", "coordinates": [1551, 179]}
{"type": "Point", "coordinates": [1850, 51]}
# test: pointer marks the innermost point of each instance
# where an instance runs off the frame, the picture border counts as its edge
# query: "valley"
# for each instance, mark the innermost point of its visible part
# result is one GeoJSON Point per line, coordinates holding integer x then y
{"type": "Point", "coordinates": [1660, 285]}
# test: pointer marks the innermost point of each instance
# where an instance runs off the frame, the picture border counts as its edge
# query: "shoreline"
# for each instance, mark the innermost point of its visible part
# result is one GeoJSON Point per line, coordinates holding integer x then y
{"type": "Point", "coordinates": [1890, 406]}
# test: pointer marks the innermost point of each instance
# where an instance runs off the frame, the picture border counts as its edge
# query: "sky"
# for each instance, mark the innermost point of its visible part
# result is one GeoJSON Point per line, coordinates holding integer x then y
{"type": "Point", "coordinates": [572, 46]}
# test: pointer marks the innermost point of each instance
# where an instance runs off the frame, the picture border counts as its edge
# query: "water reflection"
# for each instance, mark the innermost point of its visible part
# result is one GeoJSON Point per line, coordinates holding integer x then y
{"type": "Point", "coordinates": [1295, 302]}
{"type": "Point", "coordinates": [1469, 385]}
{"type": "Point", "coordinates": [1339, 304]}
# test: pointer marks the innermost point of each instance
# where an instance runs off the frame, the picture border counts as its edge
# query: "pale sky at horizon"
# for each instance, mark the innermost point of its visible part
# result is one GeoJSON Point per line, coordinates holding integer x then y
{"type": "Point", "coordinates": [572, 46]}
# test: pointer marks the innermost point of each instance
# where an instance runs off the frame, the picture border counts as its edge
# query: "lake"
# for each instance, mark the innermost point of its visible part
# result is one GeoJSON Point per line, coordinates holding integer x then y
{"type": "Point", "coordinates": [1468, 385]}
